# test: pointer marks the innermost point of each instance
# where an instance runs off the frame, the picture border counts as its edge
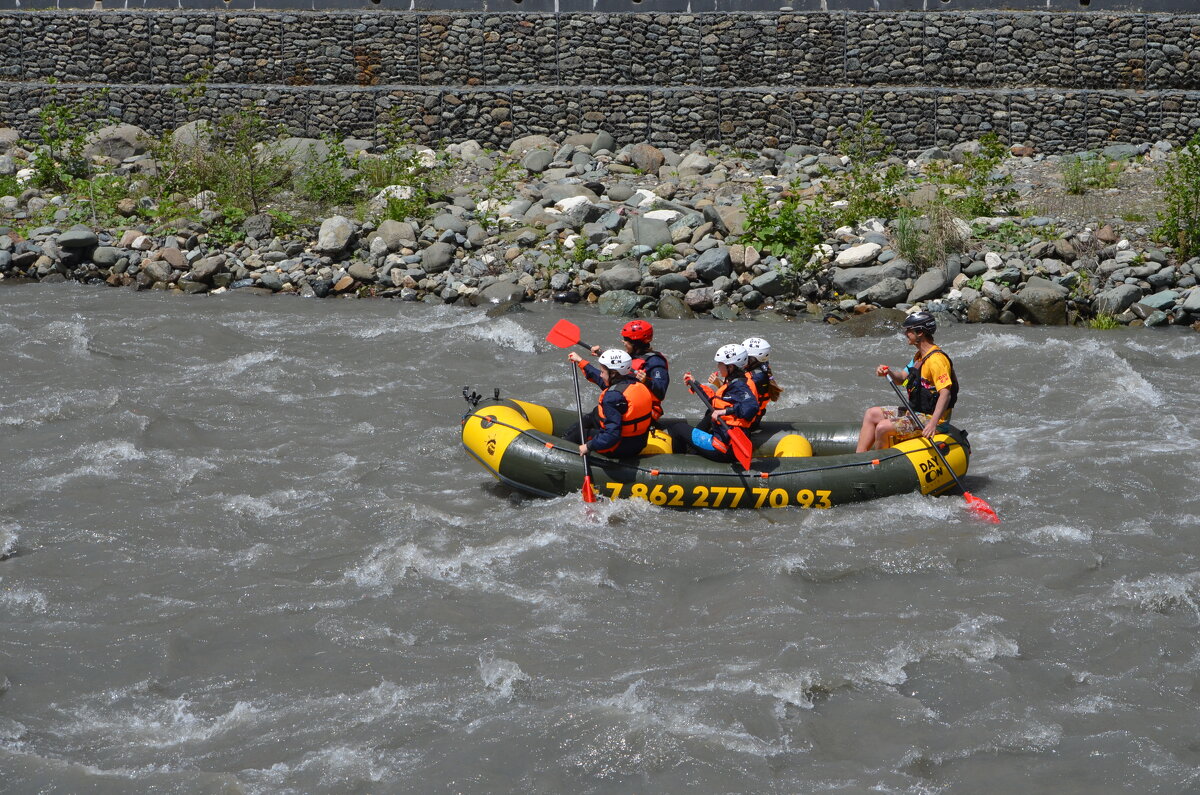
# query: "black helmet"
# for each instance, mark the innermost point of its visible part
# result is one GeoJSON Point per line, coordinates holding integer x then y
{"type": "Point", "coordinates": [920, 321]}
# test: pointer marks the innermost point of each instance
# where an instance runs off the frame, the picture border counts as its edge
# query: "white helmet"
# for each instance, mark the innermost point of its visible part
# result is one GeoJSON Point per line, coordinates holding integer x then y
{"type": "Point", "coordinates": [758, 348]}
{"type": "Point", "coordinates": [620, 361]}
{"type": "Point", "coordinates": [734, 355]}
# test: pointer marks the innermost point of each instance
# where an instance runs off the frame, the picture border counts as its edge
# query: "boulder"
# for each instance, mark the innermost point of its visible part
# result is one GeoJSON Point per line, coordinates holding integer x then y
{"type": "Point", "coordinates": [772, 283]}
{"type": "Point", "coordinates": [852, 281]}
{"type": "Point", "coordinates": [982, 310]}
{"type": "Point", "coordinates": [205, 269]}
{"type": "Point", "coordinates": [1043, 301]}
{"type": "Point", "coordinates": [930, 284]}
{"type": "Point", "coordinates": [621, 303]}
{"type": "Point", "coordinates": [621, 277]}
{"type": "Point", "coordinates": [1118, 299]}
{"type": "Point", "coordinates": [649, 232]}
{"type": "Point", "coordinates": [647, 158]}
{"type": "Point", "coordinates": [713, 264]}
{"type": "Point", "coordinates": [337, 232]}
{"type": "Point", "coordinates": [117, 141]}
{"type": "Point", "coordinates": [396, 234]}
{"type": "Point", "coordinates": [437, 258]}
{"type": "Point", "coordinates": [887, 292]}
{"type": "Point", "coordinates": [193, 135]}
{"type": "Point", "coordinates": [301, 151]}
{"type": "Point", "coordinates": [858, 256]}
{"type": "Point", "coordinates": [536, 161]}
{"type": "Point", "coordinates": [502, 291]}
{"type": "Point", "coordinates": [258, 226]}
{"type": "Point", "coordinates": [673, 307]}
{"type": "Point", "coordinates": [522, 146]}
{"type": "Point", "coordinates": [78, 238]}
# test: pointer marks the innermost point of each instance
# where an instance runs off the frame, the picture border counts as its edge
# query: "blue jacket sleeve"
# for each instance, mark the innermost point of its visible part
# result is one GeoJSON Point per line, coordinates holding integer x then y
{"type": "Point", "coordinates": [612, 409]}
{"type": "Point", "coordinates": [744, 405]}
{"type": "Point", "coordinates": [592, 373]}
{"type": "Point", "coordinates": [658, 378]}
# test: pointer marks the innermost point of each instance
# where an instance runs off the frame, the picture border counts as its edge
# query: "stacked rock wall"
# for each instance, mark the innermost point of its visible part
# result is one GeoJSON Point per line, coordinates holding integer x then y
{"type": "Point", "coordinates": [1058, 81]}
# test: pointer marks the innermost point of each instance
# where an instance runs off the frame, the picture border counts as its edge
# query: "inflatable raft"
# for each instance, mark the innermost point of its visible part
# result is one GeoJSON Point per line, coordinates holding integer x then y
{"type": "Point", "coordinates": [804, 464]}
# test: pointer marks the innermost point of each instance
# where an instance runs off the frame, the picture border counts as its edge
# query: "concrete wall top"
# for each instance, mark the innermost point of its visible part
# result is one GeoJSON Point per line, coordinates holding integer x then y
{"type": "Point", "coordinates": [619, 6]}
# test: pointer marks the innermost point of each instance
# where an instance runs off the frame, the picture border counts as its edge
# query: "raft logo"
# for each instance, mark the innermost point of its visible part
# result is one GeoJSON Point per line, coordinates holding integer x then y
{"type": "Point", "coordinates": [491, 445]}
{"type": "Point", "coordinates": [932, 470]}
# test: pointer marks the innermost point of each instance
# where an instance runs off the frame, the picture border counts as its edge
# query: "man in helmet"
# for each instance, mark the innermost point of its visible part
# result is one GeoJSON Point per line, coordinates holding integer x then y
{"type": "Point", "coordinates": [932, 390]}
{"type": "Point", "coordinates": [649, 366]}
{"type": "Point", "coordinates": [735, 404]}
{"type": "Point", "coordinates": [620, 423]}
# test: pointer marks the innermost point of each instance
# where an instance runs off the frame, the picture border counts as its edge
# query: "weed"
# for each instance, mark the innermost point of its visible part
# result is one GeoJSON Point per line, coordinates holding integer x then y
{"type": "Point", "coordinates": [787, 228]}
{"type": "Point", "coordinates": [329, 180]}
{"type": "Point", "coordinates": [406, 165]}
{"type": "Point", "coordinates": [227, 229]}
{"type": "Point", "coordinates": [9, 185]}
{"type": "Point", "coordinates": [927, 241]}
{"type": "Point", "coordinates": [1104, 322]}
{"type": "Point", "coordinates": [1179, 221]}
{"type": "Point", "coordinates": [665, 251]}
{"type": "Point", "coordinates": [868, 190]}
{"type": "Point", "coordinates": [975, 283]}
{"type": "Point", "coordinates": [63, 129]}
{"type": "Point", "coordinates": [974, 186]}
{"type": "Point", "coordinates": [1009, 234]}
{"type": "Point", "coordinates": [1079, 175]}
{"type": "Point", "coordinates": [1133, 218]}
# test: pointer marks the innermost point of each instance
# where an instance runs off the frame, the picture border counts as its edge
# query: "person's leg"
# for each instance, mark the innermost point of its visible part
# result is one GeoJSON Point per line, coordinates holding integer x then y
{"type": "Point", "coordinates": [591, 422]}
{"type": "Point", "coordinates": [868, 434]}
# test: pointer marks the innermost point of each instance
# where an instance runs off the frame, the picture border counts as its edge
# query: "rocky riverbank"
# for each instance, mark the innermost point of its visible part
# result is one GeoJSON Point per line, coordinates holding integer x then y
{"type": "Point", "coordinates": [635, 229]}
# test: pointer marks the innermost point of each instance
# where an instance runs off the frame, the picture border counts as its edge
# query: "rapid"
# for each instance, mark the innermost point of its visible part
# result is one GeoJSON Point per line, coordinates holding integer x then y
{"type": "Point", "coordinates": [244, 551]}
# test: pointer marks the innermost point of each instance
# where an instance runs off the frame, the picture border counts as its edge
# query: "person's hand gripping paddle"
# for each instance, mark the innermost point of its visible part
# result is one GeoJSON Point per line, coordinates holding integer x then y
{"type": "Point", "coordinates": [977, 505]}
{"type": "Point", "coordinates": [733, 436]}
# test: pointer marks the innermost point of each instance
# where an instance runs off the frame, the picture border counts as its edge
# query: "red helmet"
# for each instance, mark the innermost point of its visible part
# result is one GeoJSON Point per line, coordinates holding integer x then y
{"type": "Point", "coordinates": [638, 331]}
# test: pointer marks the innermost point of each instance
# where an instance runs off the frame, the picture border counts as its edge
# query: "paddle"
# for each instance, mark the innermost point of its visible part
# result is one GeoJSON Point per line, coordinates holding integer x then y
{"type": "Point", "coordinates": [588, 494]}
{"type": "Point", "coordinates": [735, 437]}
{"type": "Point", "coordinates": [978, 505]}
{"type": "Point", "coordinates": [565, 334]}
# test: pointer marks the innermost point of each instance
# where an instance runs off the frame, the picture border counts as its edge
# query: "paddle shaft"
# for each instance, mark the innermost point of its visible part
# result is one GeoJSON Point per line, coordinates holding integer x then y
{"type": "Point", "coordinates": [919, 424]}
{"type": "Point", "coordinates": [587, 467]}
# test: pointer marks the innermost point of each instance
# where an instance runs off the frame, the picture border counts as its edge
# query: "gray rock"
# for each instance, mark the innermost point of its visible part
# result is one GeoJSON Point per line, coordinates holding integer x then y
{"type": "Point", "coordinates": [301, 151]}
{"type": "Point", "coordinates": [673, 307]}
{"type": "Point", "coordinates": [1043, 301]}
{"type": "Point", "coordinates": [712, 264]}
{"type": "Point", "coordinates": [649, 232]}
{"type": "Point", "coordinates": [1191, 304]}
{"type": "Point", "coordinates": [106, 256]}
{"type": "Point", "coordinates": [361, 271]}
{"type": "Point", "coordinates": [622, 277]}
{"type": "Point", "coordinates": [437, 258]}
{"type": "Point", "coordinates": [272, 280]}
{"type": "Point", "coordinates": [502, 291]}
{"type": "Point", "coordinates": [258, 226]}
{"type": "Point", "coordinates": [852, 281]}
{"type": "Point", "coordinates": [520, 147]}
{"type": "Point", "coordinates": [118, 141]}
{"type": "Point", "coordinates": [887, 292]}
{"type": "Point", "coordinates": [336, 235]}
{"type": "Point", "coordinates": [857, 256]}
{"type": "Point", "coordinates": [396, 234]}
{"type": "Point", "coordinates": [674, 281]}
{"type": "Point", "coordinates": [193, 135]}
{"type": "Point", "coordinates": [559, 191]}
{"type": "Point", "coordinates": [205, 269]}
{"type": "Point", "coordinates": [446, 222]}
{"type": "Point", "coordinates": [9, 138]}
{"type": "Point", "coordinates": [1118, 299]}
{"type": "Point", "coordinates": [1160, 300]}
{"type": "Point", "coordinates": [621, 303]}
{"type": "Point", "coordinates": [78, 239]}
{"type": "Point", "coordinates": [930, 284]}
{"type": "Point", "coordinates": [536, 161]}
{"type": "Point", "coordinates": [699, 299]}
{"type": "Point", "coordinates": [772, 283]}
{"type": "Point", "coordinates": [620, 192]}
{"type": "Point", "coordinates": [158, 270]}
{"type": "Point", "coordinates": [982, 310]}
{"type": "Point", "coordinates": [603, 141]}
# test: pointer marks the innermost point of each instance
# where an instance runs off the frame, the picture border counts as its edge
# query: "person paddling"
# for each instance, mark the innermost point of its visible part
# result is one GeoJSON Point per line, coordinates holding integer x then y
{"type": "Point", "coordinates": [758, 367]}
{"type": "Point", "coordinates": [649, 366]}
{"type": "Point", "coordinates": [620, 423]}
{"type": "Point", "coordinates": [932, 390]}
{"type": "Point", "coordinates": [735, 404]}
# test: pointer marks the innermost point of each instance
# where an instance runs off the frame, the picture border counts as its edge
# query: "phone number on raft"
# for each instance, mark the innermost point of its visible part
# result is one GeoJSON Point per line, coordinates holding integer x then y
{"type": "Point", "coordinates": [719, 496]}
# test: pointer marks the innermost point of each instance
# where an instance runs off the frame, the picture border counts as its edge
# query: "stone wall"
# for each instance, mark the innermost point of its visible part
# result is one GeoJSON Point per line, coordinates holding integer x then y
{"type": "Point", "coordinates": [1059, 81]}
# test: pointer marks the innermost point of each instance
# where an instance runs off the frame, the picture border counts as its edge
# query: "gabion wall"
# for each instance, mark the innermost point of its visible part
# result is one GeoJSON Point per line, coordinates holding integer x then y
{"type": "Point", "coordinates": [1058, 81]}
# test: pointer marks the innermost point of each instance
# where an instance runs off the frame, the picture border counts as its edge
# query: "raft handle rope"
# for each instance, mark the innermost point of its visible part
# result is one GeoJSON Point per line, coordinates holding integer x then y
{"type": "Point", "coordinates": [739, 475]}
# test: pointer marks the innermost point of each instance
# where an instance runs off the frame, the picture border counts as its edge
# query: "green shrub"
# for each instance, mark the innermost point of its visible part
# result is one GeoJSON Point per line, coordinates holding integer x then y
{"type": "Point", "coordinates": [788, 228]}
{"type": "Point", "coordinates": [329, 181]}
{"type": "Point", "coordinates": [927, 240]}
{"type": "Point", "coordinates": [63, 129]}
{"type": "Point", "coordinates": [868, 190]}
{"type": "Point", "coordinates": [9, 185]}
{"type": "Point", "coordinates": [1179, 221]}
{"type": "Point", "coordinates": [1079, 175]}
{"type": "Point", "coordinates": [404, 164]}
{"type": "Point", "coordinates": [1104, 322]}
{"type": "Point", "coordinates": [974, 188]}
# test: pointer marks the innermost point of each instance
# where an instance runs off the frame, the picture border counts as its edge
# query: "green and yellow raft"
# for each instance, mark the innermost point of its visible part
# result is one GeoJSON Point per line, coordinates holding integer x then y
{"type": "Point", "coordinates": [804, 464]}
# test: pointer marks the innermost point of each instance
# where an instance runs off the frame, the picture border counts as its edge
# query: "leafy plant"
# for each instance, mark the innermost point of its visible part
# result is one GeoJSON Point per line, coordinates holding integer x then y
{"type": "Point", "coordinates": [404, 164]}
{"type": "Point", "coordinates": [499, 186]}
{"type": "Point", "coordinates": [928, 240]}
{"type": "Point", "coordinates": [868, 190]}
{"type": "Point", "coordinates": [227, 229]}
{"type": "Point", "coordinates": [63, 129]}
{"type": "Point", "coordinates": [1079, 175]}
{"type": "Point", "coordinates": [1104, 322]}
{"type": "Point", "coordinates": [975, 283]}
{"type": "Point", "coordinates": [1008, 234]}
{"type": "Point", "coordinates": [9, 185]}
{"type": "Point", "coordinates": [974, 188]}
{"type": "Point", "coordinates": [787, 228]}
{"type": "Point", "coordinates": [1179, 221]}
{"type": "Point", "coordinates": [665, 251]}
{"type": "Point", "coordinates": [328, 180]}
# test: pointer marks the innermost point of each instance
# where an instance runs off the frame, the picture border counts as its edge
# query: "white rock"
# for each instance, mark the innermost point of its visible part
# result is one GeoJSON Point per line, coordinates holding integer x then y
{"type": "Point", "coordinates": [1123, 245]}
{"type": "Point", "coordinates": [662, 215]}
{"type": "Point", "coordinates": [993, 260]}
{"type": "Point", "coordinates": [645, 197]}
{"type": "Point", "coordinates": [570, 203]}
{"type": "Point", "coordinates": [859, 255]}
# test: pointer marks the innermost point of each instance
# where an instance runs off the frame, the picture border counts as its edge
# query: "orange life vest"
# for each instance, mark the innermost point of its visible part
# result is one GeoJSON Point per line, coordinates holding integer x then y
{"type": "Point", "coordinates": [639, 363]}
{"type": "Point", "coordinates": [639, 400]}
{"type": "Point", "coordinates": [719, 403]}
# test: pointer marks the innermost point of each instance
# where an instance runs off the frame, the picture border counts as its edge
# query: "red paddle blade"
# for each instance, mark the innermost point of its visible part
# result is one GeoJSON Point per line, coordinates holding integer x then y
{"type": "Point", "coordinates": [980, 508]}
{"type": "Point", "coordinates": [742, 447]}
{"type": "Point", "coordinates": [564, 334]}
{"type": "Point", "coordinates": [588, 494]}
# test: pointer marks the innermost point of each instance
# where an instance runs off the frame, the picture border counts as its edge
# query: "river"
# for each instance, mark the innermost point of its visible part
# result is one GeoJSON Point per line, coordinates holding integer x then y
{"type": "Point", "coordinates": [246, 552]}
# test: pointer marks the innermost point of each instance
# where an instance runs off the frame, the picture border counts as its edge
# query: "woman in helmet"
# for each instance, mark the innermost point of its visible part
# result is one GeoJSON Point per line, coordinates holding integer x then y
{"type": "Point", "coordinates": [620, 423]}
{"type": "Point", "coordinates": [649, 366]}
{"type": "Point", "coordinates": [759, 369]}
{"type": "Point", "coordinates": [932, 390]}
{"type": "Point", "coordinates": [735, 403]}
